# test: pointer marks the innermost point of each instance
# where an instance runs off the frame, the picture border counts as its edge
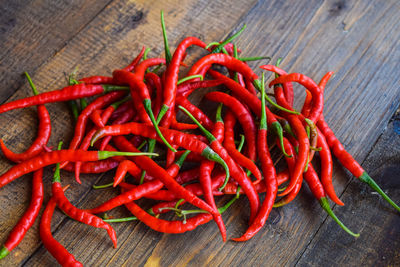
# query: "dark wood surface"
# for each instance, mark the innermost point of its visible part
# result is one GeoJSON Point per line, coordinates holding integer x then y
{"type": "Point", "coordinates": [358, 40]}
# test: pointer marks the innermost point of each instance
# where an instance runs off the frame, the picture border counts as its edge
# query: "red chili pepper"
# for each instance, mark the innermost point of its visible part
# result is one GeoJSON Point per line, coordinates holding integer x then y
{"type": "Point", "coordinates": [229, 144]}
{"type": "Point", "coordinates": [244, 117]}
{"type": "Point", "coordinates": [197, 113]}
{"type": "Point", "coordinates": [94, 166]}
{"type": "Point", "coordinates": [135, 61]}
{"type": "Point", "coordinates": [25, 223]}
{"type": "Point", "coordinates": [171, 74]}
{"type": "Point", "coordinates": [75, 213]}
{"type": "Point", "coordinates": [268, 172]}
{"type": "Point", "coordinates": [67, 93]}
{"type": "Point", "coordinates": [43, 135]}
{"type": "Point", "coordinates": [56, 249]}
{"type": "Point", "coordinates": [97, 80]}
{"type": "Point", "coordinates": [318, 100]}
{"type": "Point", "coordinates": [251, 101]}
{"type": "Point", "coordinates": [48, 158]}
{"type": "Point", "coordinates": [326, 169]}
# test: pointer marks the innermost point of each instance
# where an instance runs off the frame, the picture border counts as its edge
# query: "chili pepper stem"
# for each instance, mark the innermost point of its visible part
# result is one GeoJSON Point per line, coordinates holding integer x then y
{"type": "Point", "coordinates": [325, 205]}
{"type": "Point", "coordinates": [147, 107]}
{"type": "Point", "coordinates": [4, 252]}
{"type": "Point", "coordinates": [369, 181]}
{"type": "Point", "coordinates": [277, 127]}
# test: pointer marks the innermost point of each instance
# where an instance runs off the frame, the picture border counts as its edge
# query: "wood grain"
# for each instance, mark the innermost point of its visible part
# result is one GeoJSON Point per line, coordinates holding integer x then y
{"type": "Point", "coordinates": [31, 32]}
{"type": "Point", "coordinates": [357, 40]}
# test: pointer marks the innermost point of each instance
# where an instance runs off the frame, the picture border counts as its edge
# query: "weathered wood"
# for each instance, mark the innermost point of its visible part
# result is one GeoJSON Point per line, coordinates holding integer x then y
{"type": "Point", "coordinates": [31, 32]}
{"type": "Point", "coordinates": [357, 40]}
{"type": "Point", "coordinates": [366, 213]}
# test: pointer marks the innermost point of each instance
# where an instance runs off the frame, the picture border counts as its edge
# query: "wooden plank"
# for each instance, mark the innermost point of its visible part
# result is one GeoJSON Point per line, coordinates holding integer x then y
{"type": "Point", "coordinates": [366, 213]}
{"type": "Point", "coordinates": [303, 34]}
{"type": "Point", "coordinates": [30, 34]}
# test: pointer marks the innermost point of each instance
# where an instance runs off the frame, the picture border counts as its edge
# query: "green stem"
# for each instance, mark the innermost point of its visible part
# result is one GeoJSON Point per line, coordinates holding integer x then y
{"type": "Point", "coordinates": [110, 88]}
{"type": "Point", "coordinates": [4, 252]}
{"type": "Point", "coordinates": [31, 84]}
{"type": "Point", "coordinates": [168, 56]}
{"type": "Point", "coordinates": [109, 154]}
{"type": "Point", "coordinates": [147, 107]}
{"type": "Point", "coordinates": [221, 45]}
{"type": "Point", "coordinates": [83, 102]}
{"type": "Point", "coordinates": [242, 139]}
{"type": "Point", "coordinates": [218, 116]}
{"type": "Point", "coordinates": [126, 219]}
{"type": "Point", "coordinates": [253, 58]}
{"type": "Point", "coordinates": [102, 186]}
{"type": "Point", "coordinates": [182, 158]}
{"type": "Point", "coordinates": [369, 181]}
{"type": "Point", "coordinates": [187, 78]}
{"type": "Point", "coordinates": [325, 205]}
{"type": "Point", "coordinates": [277, 127]}
{"type": "Point", "coordinates": [57, 176]}
{"type": "Point", "coordinates": [146, 51]}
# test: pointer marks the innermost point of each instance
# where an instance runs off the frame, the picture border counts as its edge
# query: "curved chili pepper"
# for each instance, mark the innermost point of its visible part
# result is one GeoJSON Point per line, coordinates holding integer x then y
{"type": "Point", "coordinates": [48, 158]}
{"type": "Point", "coordinates": [67, 93]}
{"type": "Point", "coordinates": [43, 135]}
{"type": "Point", "coordinates": [318, 101]}
{"type": "Point", "coordinates": [291, 162]}
{"type": "Point", "coordinates": [75, 213]}
{"type": "Point", "coordinates": [94, 166]}
{"type": "Point", "coordinates": [25, 223]}
{"type": "Point", "coordinates": [326, 169]}
{"type": "Point", "coordinates": [171, 74]}
{"type": "Point", "coordinates": [244, 117]}
{"type": "Point", "coordinates": [135, 61]}
{"type": "Point", "coordinates": [229, 144]}
{"type": "Point", "coordinates": [268, 172]}
{"type": "Point", "coordinates": [62, 255]}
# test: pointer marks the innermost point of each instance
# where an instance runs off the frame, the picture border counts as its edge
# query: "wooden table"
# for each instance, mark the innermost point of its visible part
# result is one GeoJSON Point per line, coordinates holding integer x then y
{"type": "Point", "coordinates": [358, 40]}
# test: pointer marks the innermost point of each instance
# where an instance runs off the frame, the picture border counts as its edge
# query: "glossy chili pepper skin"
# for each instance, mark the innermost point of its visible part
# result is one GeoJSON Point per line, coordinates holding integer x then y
{"type": "Point", "coordinates": [68, 93]}
{"type": "Point", "coordinates": [98, 79]}
{"type": "Point", "coordinates": [269, 173]}
{"type": "Point", "coordinates": [135, 61]}
{"type": "Point", "coordinates": [171, 74]}
{"type": "Point", "coordinates": [326, 169]}
{"type": "Point", "coordinates": [80, 215]}
{"type": "Point", "coordinates": [45, 159]}
{"type": "Point", "coordinates": [43, 136]}
{"type": "Point", "coordinates": [244, 117]}
{"type": "Point", "coordinates": [229, 144]}
{"type": "Point", "coordinates": [25, 223]}
{"type": "Point", "coordinates": [63, 257]}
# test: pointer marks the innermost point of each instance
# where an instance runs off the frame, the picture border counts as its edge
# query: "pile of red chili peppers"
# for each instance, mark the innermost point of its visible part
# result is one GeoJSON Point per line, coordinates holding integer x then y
{"type": "Point", "coordinates": [135, 109]}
